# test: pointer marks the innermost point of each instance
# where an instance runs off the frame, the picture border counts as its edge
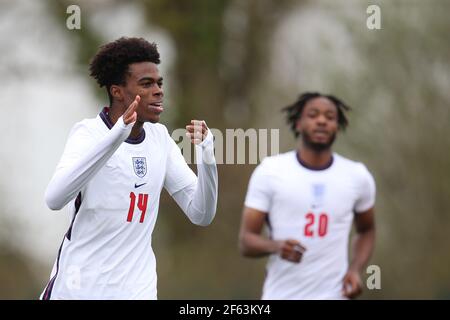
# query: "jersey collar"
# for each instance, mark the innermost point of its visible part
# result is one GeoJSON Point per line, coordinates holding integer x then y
{"type": "Point", "coordinates": [303, 164]}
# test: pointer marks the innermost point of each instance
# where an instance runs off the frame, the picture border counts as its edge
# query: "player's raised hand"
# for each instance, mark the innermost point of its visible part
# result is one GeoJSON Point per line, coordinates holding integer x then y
{"type": "Point", "coordinates": [130, 115]}
{"type": "Point", "coordinates": [291, 250]}
{"type": "Point", "coordinates": [352, 285]}
{"type": "Point", "coordinates": [196, 131]}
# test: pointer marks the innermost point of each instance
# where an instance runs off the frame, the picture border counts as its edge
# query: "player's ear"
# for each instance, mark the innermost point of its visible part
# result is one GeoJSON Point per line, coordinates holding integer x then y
{"type": "Point", "coordinates": [116, 92]}
{"type": "Point", "coordinates": [298, 126]}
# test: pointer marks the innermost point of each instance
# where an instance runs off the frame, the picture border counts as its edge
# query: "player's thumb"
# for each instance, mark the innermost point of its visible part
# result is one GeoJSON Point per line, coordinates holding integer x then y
{"type": "Point", "coordinates": [346, 286]}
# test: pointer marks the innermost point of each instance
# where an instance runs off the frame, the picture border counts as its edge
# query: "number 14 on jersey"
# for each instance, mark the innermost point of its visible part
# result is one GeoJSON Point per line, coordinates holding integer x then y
{"type": "Point", "coordinates": [141, 204]}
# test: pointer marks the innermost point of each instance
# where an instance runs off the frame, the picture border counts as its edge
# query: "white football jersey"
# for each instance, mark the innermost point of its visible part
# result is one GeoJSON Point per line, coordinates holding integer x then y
{"type": "Point", "coordinates": [107, 253]}
{"type": "Point", "coordinates": [315, 207]}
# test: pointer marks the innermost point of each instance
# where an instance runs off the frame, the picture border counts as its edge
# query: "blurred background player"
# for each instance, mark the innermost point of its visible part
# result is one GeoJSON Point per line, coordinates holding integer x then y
{"type": "Point", "coordinates": [112, 172]}
{"type": "Point", "coordinates": [308, 198]}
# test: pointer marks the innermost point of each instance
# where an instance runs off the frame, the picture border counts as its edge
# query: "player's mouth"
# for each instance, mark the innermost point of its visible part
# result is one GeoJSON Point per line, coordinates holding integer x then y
{"type": "Point", "coordinates": [156, 107]}
{"type": "Point", "coordinates": [320, 134]}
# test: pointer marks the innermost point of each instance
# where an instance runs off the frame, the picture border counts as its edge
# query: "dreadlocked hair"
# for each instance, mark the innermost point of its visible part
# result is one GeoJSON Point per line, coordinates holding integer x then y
{"type": "Point", "coordinates": [294, 111]}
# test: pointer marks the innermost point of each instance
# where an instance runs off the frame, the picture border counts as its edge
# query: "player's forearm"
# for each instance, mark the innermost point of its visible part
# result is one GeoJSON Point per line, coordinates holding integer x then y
{"type": "Point", "coordinates": [256, 245]}
{"type": "Point", "coordinates": [69, 180]}
{"type": "Point", "coordinates": [203, 207]}
{"type": "Point", "coordinates": [199, 201]}
{"type": "Point", "coordinates": [362, 248]}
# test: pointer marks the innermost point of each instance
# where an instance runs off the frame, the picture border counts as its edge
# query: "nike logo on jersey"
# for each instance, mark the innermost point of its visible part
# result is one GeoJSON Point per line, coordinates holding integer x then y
{"type": "Point", "coordinates": [139, 185]}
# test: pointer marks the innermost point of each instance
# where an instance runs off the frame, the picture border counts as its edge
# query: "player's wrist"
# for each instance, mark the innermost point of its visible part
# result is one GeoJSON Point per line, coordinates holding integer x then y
{"type": "Point", "coordinates": [205, 150]}
{"type": "Point", "coordinates": [121, 123]}
{"type": "Point", "coordinates": [208, 141]}
{"type": "Point", "coordinates": [275, 246]}
{"type": "Point", "coordinates": [354, 269]}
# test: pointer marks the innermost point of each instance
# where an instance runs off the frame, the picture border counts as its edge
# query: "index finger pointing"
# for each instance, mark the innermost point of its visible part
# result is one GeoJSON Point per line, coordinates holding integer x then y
{"type": "Point", "coordinates": [137, 100]}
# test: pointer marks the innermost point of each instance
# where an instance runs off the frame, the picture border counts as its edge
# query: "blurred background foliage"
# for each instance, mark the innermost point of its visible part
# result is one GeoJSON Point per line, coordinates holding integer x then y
{"type": "Point", "coordinates": [236, 64]}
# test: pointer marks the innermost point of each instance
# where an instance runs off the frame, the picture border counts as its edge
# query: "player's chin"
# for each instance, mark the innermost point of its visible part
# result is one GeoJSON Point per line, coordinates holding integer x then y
{"type": "Point", "coordinates": [151, 117]}
{"type": "Point", "coordinates": [320, 146]}
{"type": "Point", "coordinates": [322, 142]}
{"type": "Point", "coordinates": [317, 139]}
{"type": "Point", "coordinates": [154, 119]}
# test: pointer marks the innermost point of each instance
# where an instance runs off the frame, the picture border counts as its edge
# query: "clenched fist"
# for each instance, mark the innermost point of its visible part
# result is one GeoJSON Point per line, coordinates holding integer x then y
{"type": "Point", "coordinates": [197, 131]}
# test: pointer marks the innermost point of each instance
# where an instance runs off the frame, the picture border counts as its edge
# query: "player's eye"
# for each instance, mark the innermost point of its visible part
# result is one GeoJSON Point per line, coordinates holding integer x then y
{"type": "Point", "coordinates": [312, 114]}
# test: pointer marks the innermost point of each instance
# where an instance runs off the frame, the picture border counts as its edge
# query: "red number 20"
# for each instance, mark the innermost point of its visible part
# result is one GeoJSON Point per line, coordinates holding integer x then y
{"type": "Point", "coordinates": [142, 205]}
{"type": "Point", "coordinates": [323, 224]}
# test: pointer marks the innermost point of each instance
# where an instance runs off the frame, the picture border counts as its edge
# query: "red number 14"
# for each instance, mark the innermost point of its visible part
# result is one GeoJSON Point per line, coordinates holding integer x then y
{"type": "Point", "coordinates": [142, 205]}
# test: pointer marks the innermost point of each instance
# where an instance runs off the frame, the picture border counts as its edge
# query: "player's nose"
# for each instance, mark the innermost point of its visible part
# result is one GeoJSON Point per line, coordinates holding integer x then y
{"type": "Point", "coordinates": [158, 93]}
{"type": "Point", "coordinates": [321, 120]}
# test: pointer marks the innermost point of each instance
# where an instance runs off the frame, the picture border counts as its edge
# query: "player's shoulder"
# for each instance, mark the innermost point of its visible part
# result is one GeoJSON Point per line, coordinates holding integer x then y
{"type": "Point", "coordinates": [275, 162]}
{"type": "Point", "coordinates": [88, 125]}
{"type": "Point", "coordinates": [156, 130]}
{"type": "Point", "coordinates": [155, 127]}
{"type": "Point", "coordinates": [354, 167]}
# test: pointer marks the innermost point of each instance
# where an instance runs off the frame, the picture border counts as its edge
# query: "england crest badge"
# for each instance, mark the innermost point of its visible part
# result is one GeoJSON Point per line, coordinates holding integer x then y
{"type": "Point", "coordinates": [318, 192]}
{"type": "Point", "coordinates": [140, 166]}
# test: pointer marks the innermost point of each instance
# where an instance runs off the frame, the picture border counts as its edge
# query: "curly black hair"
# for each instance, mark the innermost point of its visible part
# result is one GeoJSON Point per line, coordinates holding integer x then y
{"type": "Point", "coordinates": [295, 110]}
{"type": "Point", "coordinates": [110, 65]}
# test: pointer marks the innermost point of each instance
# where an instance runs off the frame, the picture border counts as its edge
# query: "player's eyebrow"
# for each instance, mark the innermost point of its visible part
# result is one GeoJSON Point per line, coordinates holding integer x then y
{"type": "Point", "coordinates": [313, 109]}
{"type": "Point", "coordinates": [150, 79]}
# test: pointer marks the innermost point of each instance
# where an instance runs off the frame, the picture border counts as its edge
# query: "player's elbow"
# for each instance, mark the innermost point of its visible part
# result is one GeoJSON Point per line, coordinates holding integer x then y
{"type": "Point", "coordinates": [243, 247]}
{"type": "Point", "coordinates": [53, 205]}
{"type": "Point", "coordinates": [52, 201]}
{"type": "Point", "coordinates": [204, 219]}
{"type": "Point", "coordinates": [204, 223]}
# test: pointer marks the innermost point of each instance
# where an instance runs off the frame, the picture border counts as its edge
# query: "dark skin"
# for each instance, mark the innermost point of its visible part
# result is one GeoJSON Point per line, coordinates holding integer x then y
{"type": "Point", "coordinates": [140, 100]}
{"type": "Point", "coordinates": [318, 126]}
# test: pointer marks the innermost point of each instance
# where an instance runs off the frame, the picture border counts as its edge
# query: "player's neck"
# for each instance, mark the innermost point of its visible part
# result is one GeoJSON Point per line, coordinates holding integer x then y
{"type": "Point", "coordinates": [313, 158]}
{"type": "Point", "coordinates": [136, 130]}
{"type": "Point", "coordinates": [115, 112]}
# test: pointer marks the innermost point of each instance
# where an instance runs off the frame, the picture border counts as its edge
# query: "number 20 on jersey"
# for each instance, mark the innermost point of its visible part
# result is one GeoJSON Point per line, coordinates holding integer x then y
{"type": "Point", "coordinates": [316, 224]}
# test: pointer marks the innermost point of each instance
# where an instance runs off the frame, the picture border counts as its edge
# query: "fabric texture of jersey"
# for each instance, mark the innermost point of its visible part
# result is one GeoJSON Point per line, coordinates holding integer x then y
{"type": "Point", "coordinates": [113, 199]}
{"type": "Point", "coordinates": [315, 207]}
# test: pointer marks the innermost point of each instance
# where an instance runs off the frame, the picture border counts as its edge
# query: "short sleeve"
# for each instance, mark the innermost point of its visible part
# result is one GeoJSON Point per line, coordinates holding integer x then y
{"type": "Point", "coordinates": [178, 173]}
{"type": "Point", "coordinates": [260, 189]}
{"type": "Point", "coordinates": [367, 191]}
